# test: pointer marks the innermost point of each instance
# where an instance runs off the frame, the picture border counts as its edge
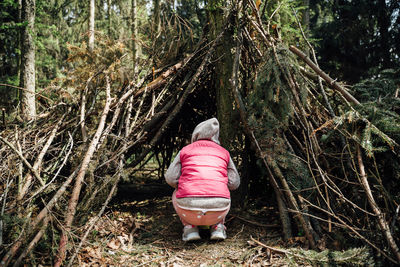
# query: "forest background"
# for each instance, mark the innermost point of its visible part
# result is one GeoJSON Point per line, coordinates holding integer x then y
{"type": "Point", "coordinates": [91, 91]}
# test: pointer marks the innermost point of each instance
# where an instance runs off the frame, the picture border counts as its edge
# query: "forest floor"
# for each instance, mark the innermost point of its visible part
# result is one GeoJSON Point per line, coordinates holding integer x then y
{"type": "Point", "coordinates": [148, 233]}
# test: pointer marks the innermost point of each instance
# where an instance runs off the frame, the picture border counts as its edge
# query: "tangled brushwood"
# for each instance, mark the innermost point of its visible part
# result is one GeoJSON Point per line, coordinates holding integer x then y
{"type": "Point", "coordinates": [332, 162]}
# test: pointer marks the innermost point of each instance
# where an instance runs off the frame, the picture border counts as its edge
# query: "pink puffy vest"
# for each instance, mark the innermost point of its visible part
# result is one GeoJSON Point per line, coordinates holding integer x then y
{"type": "Point", "coordinates": [203, 170]}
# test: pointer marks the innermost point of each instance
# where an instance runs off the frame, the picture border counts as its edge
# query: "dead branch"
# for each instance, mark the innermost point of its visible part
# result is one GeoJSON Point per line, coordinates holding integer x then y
{"type": "Point", "coordinates": [331, 82]}
{"type": "Point", "coordinates": [38, 161]}
{"type": "Point", "coordinates": [3, 206]}
{"type": "Point", "coordinates": [66, 157]}
{"type": "Point", "coordinates": [83, 110]}
{"type": "Point", "coordinates": [328, 105]}
{"type": "Point", "coordinates": [33, 243]}
{"type": "Point", "coordinates": [79, 179]}
{"type": "Point", "coordinates": [35, 173]}
{"type": "Point", "coordinates": [351, 228]}
{"type": "Point", "coordinates": [287, 232]}
{"type": "Point", "coordinates": [99, 214]}
{"type": "Point", "coordinates": [382, 222]}
{"type": "Point", "coordinates": [190, 88]}
{"type": "Point", "coordinates": [162, 79]}
{"type": "Point", "coordinates": [280, 251]}
{"type": "Point", "coordinates": [35, 222]}
{"type": "Point", "coordinates": [256, 223]}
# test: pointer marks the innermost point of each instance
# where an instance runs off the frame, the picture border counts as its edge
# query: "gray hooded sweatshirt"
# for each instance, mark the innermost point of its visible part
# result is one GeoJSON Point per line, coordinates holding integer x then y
{"type": "Point", "coordinates": [208, 130]}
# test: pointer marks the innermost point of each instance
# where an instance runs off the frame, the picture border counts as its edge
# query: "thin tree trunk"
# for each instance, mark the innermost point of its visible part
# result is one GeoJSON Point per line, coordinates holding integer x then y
{"type": "Point", "coordinates": [18, 95]}
{"type": "Point", "coordinates": [98, 216]}
{"type": "Point", "coordinates": [27, 73]}
{"type": "Point", "coordinates": [91, 25]}
{"type": "Point", "coordinates": [292, 201]}
{"type": "Point", "coordinates": [384, 25]}
{"type": "Point", "coordinates": [306, 21]}
{"type": "Point", "coordinates": [306, 15]}
{"type": "Point", "coordinates": [134, 34]}
{"type": "Point", "coordinates": [44, 213]}
{"type": "Point", "coordinates": [33, 243]}
{"type": "Point", "coordinates": [109, 17]}
{"type": "Point", "coordinates": [156, 17]}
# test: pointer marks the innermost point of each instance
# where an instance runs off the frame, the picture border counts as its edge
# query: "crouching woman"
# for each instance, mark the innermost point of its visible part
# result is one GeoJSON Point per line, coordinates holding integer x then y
{"type": "Point", "coordinates": [203, 174]}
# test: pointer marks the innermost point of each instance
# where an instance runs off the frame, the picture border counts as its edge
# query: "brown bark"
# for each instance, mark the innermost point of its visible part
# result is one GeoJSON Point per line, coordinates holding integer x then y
{"type": "Point", "coordinates": [109, 17]}
{"type": "Point", "coordinates": [83, 239]}
{"type": "Point", "coordinates": [162, 79]}
{"type": "Point", "coordinates": [33, 243]}
{"type": "Point", "coordinates": [156, 17]}
{"type": "Point", "coordinates": [306, 20]}
{"type": "Point", "coordinates": [222, 72]}
{"type": "Point", "coordinates": [292, 201]}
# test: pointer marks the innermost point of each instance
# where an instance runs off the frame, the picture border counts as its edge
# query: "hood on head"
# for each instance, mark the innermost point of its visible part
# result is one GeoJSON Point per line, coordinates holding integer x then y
{"type": "Point", "coordinates": [208, 130]}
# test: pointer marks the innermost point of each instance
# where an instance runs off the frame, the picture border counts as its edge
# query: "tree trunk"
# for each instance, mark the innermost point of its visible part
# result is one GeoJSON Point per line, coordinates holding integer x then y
{"type": "Point", "coordinates": [222, 73]}
{"type": "Point", "coordinates": [134, 34]}
{"type": "Point", "coordinates": [384, 25]}
{"type": "Point", "coordinates": [18, 93]}
{"type": "Point", "coordinates": [306, 16]}
{"type": "Point", "coordinates": [156, 17]}
{"type": "Point", "coordinates": [91, 25]}
{"type": "Point", "coordinates": [27, 74]}
{"type": "Point", "coordinates": [109, 17]}
{"type": "Point", "coordinates": [306, 21]}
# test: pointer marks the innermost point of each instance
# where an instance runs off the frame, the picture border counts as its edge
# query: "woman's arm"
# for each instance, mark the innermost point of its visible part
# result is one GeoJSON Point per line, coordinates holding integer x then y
{"type": "Point", "coordinates": [174, 171]}
{"type": "Point", "coordinates": [233, 176]}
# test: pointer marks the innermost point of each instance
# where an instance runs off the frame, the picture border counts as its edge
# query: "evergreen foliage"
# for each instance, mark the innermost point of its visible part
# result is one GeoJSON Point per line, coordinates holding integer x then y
{"type": "Point", "coordinates": [354, 36]}
{"type": "Point", "coordinates": [271, 112]}
{"type": "Point", "coordinates": [281, 16]}
{"type": "Point", "coordinates": [382, 85]}
{"type": "Point", "coordinates": [9, 52]}
{"type": "Point", "coordinates": [376, 123]}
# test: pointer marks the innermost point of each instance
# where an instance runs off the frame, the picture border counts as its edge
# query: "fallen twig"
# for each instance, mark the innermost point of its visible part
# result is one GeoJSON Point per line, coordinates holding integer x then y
{"type": "Point", "coordinates": [256, 223]}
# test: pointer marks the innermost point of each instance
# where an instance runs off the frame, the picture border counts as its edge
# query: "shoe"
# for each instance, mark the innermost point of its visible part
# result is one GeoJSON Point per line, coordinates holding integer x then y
{"type": "Point", "coordinates": [218, 232]}
{"type": "Point", "coordinates": [190, 233]}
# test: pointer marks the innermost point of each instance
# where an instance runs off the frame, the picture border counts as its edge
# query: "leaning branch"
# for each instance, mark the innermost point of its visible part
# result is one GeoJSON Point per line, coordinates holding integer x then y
{"type": "Point", "coordinates": [331, 82]}
{"type": "Point", "coordinates": [73, 202]}
{"type": "Point", "coordinates": [283, 211]}
{"type": "Point", "coordinates": [35, 173]}
{"type": "Point", "coordinates": [382, 222]}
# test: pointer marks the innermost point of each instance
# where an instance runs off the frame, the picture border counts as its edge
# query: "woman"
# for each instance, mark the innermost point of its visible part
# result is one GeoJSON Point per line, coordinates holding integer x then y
{"type": "Point", "coordinates": [202, 174]}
